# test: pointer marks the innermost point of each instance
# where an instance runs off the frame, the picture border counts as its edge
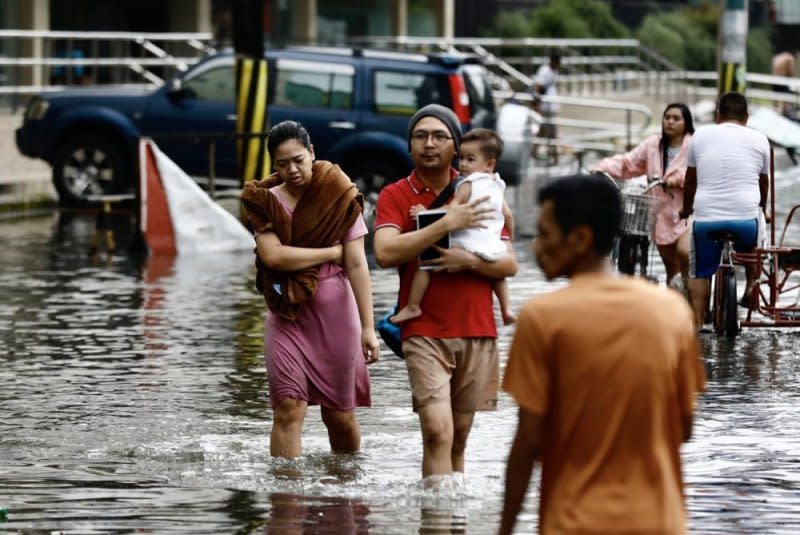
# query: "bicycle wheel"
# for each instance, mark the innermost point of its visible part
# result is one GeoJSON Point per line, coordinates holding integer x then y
{"type": "Point", "coordinates": [644, 250]}
{"type": "Point", "coordinates": [628, 254]}
{"type": "Point", "coordinates": [730, 314]}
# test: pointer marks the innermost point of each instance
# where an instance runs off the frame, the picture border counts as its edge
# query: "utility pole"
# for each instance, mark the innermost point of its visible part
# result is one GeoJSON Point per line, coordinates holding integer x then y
{"type": "Point", "coordinates": [251, 90]}
{"type": "Point", "coordinates": [732, 47]}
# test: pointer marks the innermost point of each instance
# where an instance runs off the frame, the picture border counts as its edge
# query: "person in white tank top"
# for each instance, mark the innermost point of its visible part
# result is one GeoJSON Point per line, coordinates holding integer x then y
{"type": "Point", "coordinates": [478, 154]}
{"type": "Point", "coordinates": [726, 186]}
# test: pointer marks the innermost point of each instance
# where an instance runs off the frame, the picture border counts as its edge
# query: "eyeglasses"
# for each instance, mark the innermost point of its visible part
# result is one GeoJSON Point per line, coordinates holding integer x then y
{"type": "Point", "coordinates": [439, 137]}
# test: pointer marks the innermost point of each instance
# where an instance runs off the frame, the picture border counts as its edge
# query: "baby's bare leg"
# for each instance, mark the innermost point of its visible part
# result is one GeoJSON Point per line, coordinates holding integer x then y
{"type": "Point", "coordinates": [508, 218]}
{"type": "Point", "coordinates": [419, 284]}
{"type": "Point", "coordinates": [500, 288]}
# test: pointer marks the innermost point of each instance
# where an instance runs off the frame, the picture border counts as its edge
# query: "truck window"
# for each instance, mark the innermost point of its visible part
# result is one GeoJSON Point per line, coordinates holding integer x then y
{"type": "Point", "coordinates": [403, 93]}
{"type": "Point", "coordinates": [216, 84]}
{"type": "Point", "coordinates": [311, 85]}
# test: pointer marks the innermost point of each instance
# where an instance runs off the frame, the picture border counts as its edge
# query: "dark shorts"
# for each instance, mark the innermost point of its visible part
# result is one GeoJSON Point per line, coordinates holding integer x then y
{"type": "Point", "coordinates": [705, 252]}
{"type": "Point", "coordinates": [547, 130]}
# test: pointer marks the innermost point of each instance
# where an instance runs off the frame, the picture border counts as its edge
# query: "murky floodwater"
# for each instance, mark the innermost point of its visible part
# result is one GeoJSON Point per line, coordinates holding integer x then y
{"type": "Point", "coordinates": [133, 399]}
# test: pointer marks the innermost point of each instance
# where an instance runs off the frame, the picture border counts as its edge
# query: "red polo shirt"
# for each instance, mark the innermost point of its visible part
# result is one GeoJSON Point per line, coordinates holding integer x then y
{"type": "Point", "coordinates": [456, 305]}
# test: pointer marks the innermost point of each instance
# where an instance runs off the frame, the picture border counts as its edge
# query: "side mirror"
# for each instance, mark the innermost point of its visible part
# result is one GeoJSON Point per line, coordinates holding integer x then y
{"type": "Point", "coordinates": [177, 91]}
{"type": "Point", "coordinates": [175, 85]}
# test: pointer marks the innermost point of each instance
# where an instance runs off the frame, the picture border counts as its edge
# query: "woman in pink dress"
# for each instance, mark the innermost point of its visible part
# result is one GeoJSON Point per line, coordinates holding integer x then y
{"type": "Point", "coordinates": [319, 332]}
{"type": "Point", "coordinates": [663, 155]}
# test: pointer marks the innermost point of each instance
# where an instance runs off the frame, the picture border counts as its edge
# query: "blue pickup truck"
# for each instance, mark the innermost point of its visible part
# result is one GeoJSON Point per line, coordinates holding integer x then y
{"type": "Point", "coordinates": [355, 104]}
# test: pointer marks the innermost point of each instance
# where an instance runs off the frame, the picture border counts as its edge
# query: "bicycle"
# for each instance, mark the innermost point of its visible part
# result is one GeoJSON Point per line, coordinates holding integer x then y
{"type": "Point", "coordinates": [724, 311]}
{"type": "Point", "coordinates": [634, 247]}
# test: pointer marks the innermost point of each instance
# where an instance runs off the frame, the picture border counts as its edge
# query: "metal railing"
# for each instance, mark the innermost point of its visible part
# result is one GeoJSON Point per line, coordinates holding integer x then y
{"type": "Point", "coordinates": [591, 69]}
{"type": "Point", "coordinates": [627, 120]}
{"type": "Point", "coordinates": [34, 61]}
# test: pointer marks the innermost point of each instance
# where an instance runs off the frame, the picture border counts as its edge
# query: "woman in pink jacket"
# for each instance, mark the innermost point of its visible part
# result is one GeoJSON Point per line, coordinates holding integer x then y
{"type": "Point", "coordinates": [663, 155]}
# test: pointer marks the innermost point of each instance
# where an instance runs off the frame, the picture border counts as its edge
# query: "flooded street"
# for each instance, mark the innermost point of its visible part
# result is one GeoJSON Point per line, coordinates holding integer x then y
{"type": "Point", "coordinates": [133, 399]}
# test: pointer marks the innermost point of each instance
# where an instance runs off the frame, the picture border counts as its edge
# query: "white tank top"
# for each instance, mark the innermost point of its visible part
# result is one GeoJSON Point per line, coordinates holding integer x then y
{"type": "Point", "coordinates": [484, 242]}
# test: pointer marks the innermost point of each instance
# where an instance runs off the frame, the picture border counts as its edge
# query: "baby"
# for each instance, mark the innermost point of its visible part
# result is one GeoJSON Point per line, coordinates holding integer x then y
{"type": "Point", "coordinates": [480, 149]}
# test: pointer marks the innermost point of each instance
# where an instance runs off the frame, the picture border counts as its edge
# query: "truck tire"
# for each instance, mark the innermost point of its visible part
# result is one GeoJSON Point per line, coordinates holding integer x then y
{"type": "Point", "coordinates": [87, 165]}
{"type": "Point", "coordinates": [370, 178]}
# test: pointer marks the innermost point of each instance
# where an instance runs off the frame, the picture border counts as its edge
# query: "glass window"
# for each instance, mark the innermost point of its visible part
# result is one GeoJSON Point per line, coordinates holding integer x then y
{"type": "Point", "coordinates": [478, 89]}
{"type": "Point", "coordinates": [310, 89]}
{"type": "Point", "coordinates": [403, 93]}
{"type": "Point", "coordinates": [217, 84]}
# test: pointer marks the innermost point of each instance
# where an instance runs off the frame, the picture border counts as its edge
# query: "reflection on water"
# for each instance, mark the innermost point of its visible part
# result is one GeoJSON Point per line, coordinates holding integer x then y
{"type": "Point", "coordinates": [133, 396]}
{"type": "Point", "coordinates": [292, 514]}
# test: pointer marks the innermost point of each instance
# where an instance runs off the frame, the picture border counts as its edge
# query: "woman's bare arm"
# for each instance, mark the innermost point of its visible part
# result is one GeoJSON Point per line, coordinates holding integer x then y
{"type": "Point", "coordinates": [281, 257]}
{"type": "Point", "coordinates": [357, 269]}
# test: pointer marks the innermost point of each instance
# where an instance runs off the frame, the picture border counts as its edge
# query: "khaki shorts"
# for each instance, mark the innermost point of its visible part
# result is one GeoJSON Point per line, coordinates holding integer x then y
{"type": "Point", "coordinates": [464, 372]}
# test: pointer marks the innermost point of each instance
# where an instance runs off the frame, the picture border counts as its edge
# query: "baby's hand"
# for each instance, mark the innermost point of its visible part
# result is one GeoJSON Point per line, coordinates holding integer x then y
{"type": "Point", "coordinates": [414, 210]}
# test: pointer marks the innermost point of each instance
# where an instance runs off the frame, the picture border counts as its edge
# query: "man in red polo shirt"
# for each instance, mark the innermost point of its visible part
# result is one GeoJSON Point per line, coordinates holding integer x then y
{"type": "Point", "coordinates": [450, 350]}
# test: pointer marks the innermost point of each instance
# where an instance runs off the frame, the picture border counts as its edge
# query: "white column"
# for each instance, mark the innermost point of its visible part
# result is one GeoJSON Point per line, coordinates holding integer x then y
{"type": "Point", "coordinates": [190, 16]}
{"type": "Point", "coordinates": [400, 19]}
{"type": "Point", "coordinates": [448, 19]}
{"type": "Point", "coordinates": [35, 15]}
{"type": "Point", "coordinates": [304, 21]}
{"type": "Point", "coordinates": [204, 16]}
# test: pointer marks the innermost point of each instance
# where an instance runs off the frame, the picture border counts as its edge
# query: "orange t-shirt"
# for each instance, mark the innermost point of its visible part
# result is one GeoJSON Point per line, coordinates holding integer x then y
{"type": "Point", "coordinates": [612, 366]}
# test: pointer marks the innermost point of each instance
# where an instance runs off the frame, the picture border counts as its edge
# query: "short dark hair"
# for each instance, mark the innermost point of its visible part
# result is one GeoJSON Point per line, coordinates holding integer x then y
{"type": "Point", "coordinates": [732, 105]}
{"type": "Point", "coordinates": [591, 200]}
{"type": "Point", "coordinates": [491, 146]}
{"type": "Point", "coordinates": [284, 131]}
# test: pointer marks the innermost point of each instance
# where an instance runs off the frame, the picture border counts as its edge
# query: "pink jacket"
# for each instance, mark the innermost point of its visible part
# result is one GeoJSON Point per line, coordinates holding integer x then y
{"type": "Point", "coordinates": [645, 159]}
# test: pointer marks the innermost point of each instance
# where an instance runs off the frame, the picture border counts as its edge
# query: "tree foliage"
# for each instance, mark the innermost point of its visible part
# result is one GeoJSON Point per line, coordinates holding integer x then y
{"type": "Point", "coordinates": [687, 36]}
{"type": "Point", "coordinates": [561, 19]}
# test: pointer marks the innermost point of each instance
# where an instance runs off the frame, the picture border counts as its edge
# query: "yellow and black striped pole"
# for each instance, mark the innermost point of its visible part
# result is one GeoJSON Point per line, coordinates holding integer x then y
{"type": "Point", "coordinates": [251, 118]}
{"type": "Point", "coordinates": [251, 90]}
{"type": "Point", "coordinates": [732, 46]}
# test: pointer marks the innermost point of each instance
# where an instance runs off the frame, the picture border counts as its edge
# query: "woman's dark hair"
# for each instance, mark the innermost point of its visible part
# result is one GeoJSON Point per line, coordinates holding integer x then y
{"type": "Point", "coordinates": [284, 131]}
{"type": "Point", "coordinates": [591, 200]}
{"type": "Point", "coordinates": [688, 122]}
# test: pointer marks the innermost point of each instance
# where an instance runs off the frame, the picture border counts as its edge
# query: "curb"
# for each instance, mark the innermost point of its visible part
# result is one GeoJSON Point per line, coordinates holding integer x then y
{"type": "Point", "coordinates": [14, 206]}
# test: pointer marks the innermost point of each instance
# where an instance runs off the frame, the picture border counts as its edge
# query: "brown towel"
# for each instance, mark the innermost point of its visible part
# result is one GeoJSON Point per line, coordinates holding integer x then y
{"type": "Point", "coordinates": [324, 214]}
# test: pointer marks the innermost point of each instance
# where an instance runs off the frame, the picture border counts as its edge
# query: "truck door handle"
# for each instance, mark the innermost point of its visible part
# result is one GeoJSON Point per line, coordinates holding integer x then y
{"type": "Point", "coordinates": [345, 125]}
{"type": "Point", "coordinates": [231, 117]}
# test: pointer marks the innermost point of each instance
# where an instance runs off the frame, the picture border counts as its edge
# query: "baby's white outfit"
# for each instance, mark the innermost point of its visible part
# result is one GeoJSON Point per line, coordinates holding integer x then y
{"type": "Point", "coordinates": [484, 242]}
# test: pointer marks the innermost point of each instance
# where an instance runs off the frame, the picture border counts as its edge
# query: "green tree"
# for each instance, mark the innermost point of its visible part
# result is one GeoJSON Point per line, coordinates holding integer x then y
{"type": "Point", "coordinates": [680, 39]}
{"type": "Point", "coordinates": [687, 36]}
{"type": "Point", "coordinates": [759, 51]}
{"type": "Point", "coordinates": [561, 19]}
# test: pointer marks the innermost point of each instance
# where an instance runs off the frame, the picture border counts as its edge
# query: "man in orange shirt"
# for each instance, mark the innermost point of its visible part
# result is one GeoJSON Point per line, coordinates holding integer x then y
{"type": "Point", "coordinates": [605, 372]}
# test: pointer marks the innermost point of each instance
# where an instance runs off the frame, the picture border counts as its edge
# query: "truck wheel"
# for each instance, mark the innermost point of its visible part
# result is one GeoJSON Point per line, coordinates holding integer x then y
{"type": "Point", "coordinates": [89, 165]}
{"type": "Point", "coordinates": [370, 178]}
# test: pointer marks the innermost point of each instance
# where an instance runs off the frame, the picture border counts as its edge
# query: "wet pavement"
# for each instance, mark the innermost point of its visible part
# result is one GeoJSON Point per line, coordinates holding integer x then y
{"type": "Point", "coordinates": [133, 399]}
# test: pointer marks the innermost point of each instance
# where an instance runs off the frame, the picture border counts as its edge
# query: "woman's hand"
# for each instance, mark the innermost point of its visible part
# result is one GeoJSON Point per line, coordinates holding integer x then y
{"type": "Point", "coordinates": [467, 215]}
{"type": "Point", "coordinates": [338, 254]}
{"type": "Point", "coordinates": [370, 346]}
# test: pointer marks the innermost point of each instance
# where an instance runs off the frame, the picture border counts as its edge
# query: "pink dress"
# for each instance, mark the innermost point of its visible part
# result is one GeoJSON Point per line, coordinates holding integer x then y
{"type": "Point", "coordinates": [645, 159]}
{"type": "Point", "coordinates": [318, 357]}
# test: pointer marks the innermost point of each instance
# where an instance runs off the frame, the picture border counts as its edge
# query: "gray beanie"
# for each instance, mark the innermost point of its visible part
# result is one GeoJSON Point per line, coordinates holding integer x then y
{"type": "Point", "coordinates": [444, 114]}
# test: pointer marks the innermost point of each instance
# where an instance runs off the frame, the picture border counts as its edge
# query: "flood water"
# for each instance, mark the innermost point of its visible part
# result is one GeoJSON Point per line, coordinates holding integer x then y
{"type": "Point", "coordinates": [133, 398]}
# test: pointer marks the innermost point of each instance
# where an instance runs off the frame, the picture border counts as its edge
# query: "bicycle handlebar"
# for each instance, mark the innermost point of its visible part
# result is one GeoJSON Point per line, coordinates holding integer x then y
{"type": "Point", "coordinates": [657, 182]}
